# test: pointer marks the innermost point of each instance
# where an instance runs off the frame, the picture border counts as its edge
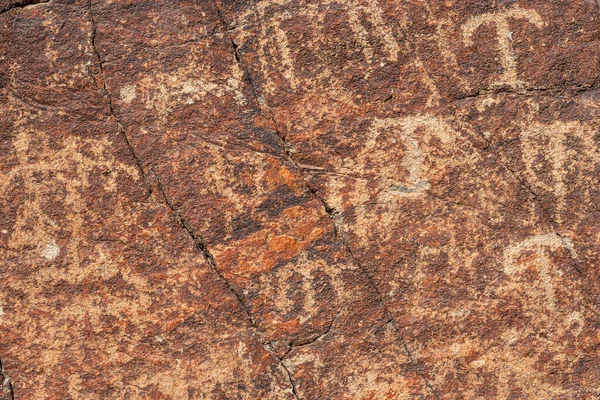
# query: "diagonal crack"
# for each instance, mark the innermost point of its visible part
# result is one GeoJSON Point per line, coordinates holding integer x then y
{"type": "Point", "coordinates": [6, 387]}
{"type": "Point", "coordinates": [334, 216]}
{"type": "Point", "coordinates": [305, 343]}
{"type": "Point", "coordinates": [201, 244]}
{"type": "Point", "coordinates": [330, 212]}
{"type": "Point", "coordinates": [21, 4]}
{"type": "Point", "coordinates": [313, 339]}
{"type": "Point", "coordinates": [198, 240]}
{"type": "Point", "coordinates": [290, 378]}
{"type": "Point", "coordinates": [107, 97]}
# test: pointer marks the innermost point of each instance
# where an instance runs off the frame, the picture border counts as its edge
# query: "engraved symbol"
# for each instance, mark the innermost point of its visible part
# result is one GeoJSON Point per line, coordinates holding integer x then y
{"type": "Point", "coordinates": [555, 152]}
{"type": "Point", "coordinates": [413, 160]}
{"type": "Point", "coordinates": [274, 52]}
{"type": "Point", "coordinates": [504, 37]}
{"type": "Point", "coordinates": [547, 158]}
{"type": "Point", "coordinates": [274, 38]}
{"type": "Point", "coordinates": [536, 243]}
{"type": "Point", "coordinates": [374, 12]}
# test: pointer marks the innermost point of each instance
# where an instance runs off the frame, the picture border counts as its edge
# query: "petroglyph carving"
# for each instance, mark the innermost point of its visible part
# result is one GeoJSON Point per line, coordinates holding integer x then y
{"type": "Point", "coordinates": [51, 251]}
{"type": "Point", "coordinates": [545, 152]}
{"type": "Point", "coordinates": [372, 9]}
{"type": "Point", "coordinates": [163, 92]}
{"type": "Point", "coordinates": [273, 43]}
{"type": "Point", "coordinates": [504, 37]}
{"type": "Point", "coordinates": [537, 244]}
{"type": "Point", "coordinates": [413, 161]}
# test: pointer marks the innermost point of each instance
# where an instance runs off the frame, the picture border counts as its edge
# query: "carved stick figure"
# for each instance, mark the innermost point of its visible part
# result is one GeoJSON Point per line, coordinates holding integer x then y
{"type": "Point", "coordinates": [504, 36]}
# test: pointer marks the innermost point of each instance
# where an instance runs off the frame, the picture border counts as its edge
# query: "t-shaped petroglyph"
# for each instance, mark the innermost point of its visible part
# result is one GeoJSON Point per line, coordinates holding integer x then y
{"type": "Point", "coordinates": [406, 130]}
{"type": "Point", "coordinates": [505, 37]}
{"type": "Point", "coordinates": [537, 244]}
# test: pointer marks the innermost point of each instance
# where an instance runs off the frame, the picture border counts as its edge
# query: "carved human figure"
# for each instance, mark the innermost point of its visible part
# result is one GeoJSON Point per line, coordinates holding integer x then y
{"type": "Point", "coordinates": [413, 160]}
{"type": "Point", "coordinates": [537, 244]}
{"type": "Point", "coordinates": [504, 36]}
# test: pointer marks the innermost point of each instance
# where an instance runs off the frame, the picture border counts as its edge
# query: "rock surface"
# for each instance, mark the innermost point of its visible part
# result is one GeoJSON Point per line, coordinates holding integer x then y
{"type": "Point", "coordinates": [281, 199]}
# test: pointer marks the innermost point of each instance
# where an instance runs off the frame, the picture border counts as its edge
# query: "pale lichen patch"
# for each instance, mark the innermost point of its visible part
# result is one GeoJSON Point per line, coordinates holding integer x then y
{"type": "Point", "coordinates": [51, 251]}
{"type": "Point", "coordinates": [127, 94]}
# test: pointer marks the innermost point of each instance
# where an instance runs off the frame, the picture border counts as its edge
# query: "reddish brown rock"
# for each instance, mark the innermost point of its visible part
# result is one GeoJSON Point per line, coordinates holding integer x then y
{"type": "Point", "coordinates": [338, 199]}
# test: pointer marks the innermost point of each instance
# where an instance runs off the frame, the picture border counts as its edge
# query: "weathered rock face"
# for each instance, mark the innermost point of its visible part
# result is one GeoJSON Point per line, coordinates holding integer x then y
{"type": "Point", "coordinates": [277, 199]}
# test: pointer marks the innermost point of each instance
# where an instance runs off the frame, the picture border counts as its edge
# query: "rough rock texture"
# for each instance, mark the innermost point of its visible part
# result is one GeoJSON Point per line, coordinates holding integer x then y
{"type": "Point", "coordinates": [299, 199]}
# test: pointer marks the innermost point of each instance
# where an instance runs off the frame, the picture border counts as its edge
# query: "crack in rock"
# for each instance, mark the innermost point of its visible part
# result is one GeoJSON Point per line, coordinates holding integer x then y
{"type": "Point", "coordinates": [108, 98]}
{"type": "Point", "coordinates": [328, 209]}
{"type": "Point", "coordinates": [20, 4]}
{"type": "Point", "coordinates": [7, 392]}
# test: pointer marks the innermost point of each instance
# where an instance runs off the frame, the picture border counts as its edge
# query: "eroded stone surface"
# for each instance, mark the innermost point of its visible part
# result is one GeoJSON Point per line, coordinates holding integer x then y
{"type": "Point", "coordinates": [333, 199]}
